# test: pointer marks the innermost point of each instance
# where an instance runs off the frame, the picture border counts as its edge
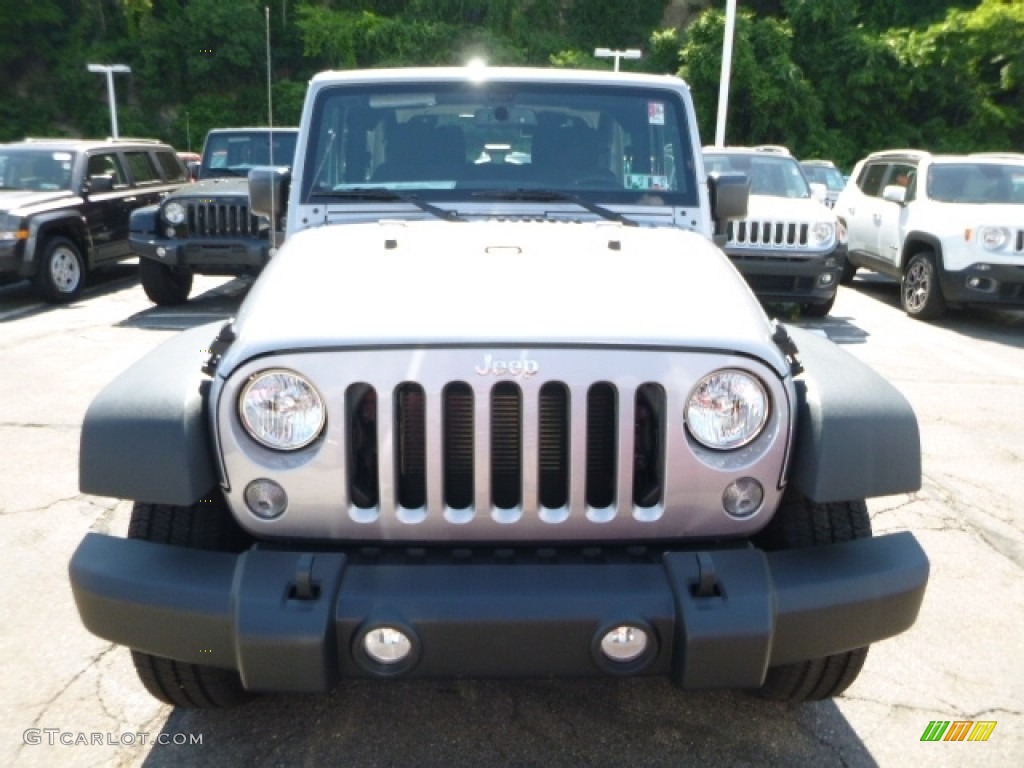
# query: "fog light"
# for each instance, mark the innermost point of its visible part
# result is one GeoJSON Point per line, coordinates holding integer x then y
{"type": "Point", "coordinates": [265, 499]}
{"type": "Point", "coordinates": [387, 645]}
{"type": "Point", "coordinates": [624, 643]}
{"type": "Point", "coordinates": [743, 498]}
{"type": "Point", "coordinates": [825, 279]}
{"type": "Point", "coordinates": [160, 250]}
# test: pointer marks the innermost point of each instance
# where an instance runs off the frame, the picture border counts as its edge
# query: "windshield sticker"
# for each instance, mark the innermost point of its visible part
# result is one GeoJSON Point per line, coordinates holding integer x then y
{"type": "Point", "coordinates": [65, 156]}
{"type": "Point", "coordinates": [646, 181]}
{"type": "Point", "coordinates": [655, 113]}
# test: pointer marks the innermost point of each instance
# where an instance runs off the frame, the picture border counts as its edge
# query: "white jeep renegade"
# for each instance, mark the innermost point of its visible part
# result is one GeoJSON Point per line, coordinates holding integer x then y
{"type": "Point", "coordinates": [950, 227]}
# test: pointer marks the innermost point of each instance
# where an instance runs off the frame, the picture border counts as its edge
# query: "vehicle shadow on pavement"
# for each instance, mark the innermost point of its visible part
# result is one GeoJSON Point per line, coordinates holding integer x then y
{"type": "Point", "coordinates": [218, 303]}
{"type": "Point", "coordinates": [1002, 326]}
{"type": "Point", "coordinates": [635, 722]}
{"type": "Point", "coordinates": [841, 330]}
{"type": "Point", "coordinates": [19, 299]}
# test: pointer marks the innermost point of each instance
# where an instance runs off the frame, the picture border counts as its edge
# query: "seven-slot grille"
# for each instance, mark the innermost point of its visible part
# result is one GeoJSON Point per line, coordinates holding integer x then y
{"type": "Point", "coordinates": [220, 219]}
{"type": "Point", "coordinates": [619, 461]}
{"type": "Point", "coordinates": [770, 234]}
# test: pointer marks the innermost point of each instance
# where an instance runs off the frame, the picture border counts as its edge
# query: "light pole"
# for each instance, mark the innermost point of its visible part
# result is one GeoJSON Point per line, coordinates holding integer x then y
{"type": "Point", "coordinates": [723, 80]}
{"type": "Point", "coordinates": [608, 53]}
{"type": "Point", "coordinates": [109, 70]}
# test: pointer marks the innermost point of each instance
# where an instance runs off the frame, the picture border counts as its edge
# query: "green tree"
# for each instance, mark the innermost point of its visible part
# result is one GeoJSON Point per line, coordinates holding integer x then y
{"type": "Point", "coordinates": [770, 100]}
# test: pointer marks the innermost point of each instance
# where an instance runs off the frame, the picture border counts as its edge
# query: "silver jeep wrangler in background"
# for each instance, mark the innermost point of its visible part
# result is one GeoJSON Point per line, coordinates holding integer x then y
{"type": "Point", "coordinates": [499, 407]}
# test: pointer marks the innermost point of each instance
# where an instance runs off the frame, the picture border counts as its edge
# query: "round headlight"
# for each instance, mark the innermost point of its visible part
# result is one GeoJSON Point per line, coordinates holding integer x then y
{"type": "Point", "coordinates": [727, 409]}
{"type": "Point", "coordinates": [281, 410]}
{"type": "Point", "coordinates": [993, 238]}
{"type": "Point", "coordinates": [821, 232]}
{"type": "Point", "coordinates": [174, 213]}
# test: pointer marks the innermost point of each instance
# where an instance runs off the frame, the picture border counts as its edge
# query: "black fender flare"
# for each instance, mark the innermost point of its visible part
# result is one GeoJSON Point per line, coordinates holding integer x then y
{"type": "Point", "coordinates": [39, 226]}
{"type": "Point", "coordinates": [144, 220]}
{"type": "Point", "coordinates": [913, 242]}
{"type": "Point", "coordinates": [146, 434]}
{"type": "Point", "coordinates": [856, 435]}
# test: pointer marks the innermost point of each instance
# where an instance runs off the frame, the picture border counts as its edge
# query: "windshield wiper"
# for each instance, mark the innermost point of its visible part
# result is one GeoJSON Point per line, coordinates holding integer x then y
{"type": "Point", "coordinates": [390, 196]}
{"type": "Point", "coordinates": [550, 196]}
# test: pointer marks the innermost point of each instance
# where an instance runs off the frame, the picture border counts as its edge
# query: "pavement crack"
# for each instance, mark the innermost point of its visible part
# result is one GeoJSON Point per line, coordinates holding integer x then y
{"type": "Point", "coordinates": [44, 710]}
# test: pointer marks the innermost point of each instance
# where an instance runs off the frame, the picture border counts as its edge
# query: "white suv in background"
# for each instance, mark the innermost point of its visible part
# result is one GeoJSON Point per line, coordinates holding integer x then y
{"type": "Point", "coordinates": [950, 227]}
{"type": "Point", "coordinates": [789, 248]}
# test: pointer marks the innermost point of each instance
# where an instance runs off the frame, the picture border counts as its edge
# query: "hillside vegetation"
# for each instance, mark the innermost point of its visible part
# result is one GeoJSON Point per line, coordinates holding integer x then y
{"type": "Point", "coordinates": [831, 78]}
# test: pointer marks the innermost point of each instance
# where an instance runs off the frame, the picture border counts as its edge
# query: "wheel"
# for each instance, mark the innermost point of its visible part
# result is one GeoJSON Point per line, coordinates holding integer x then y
{"type": "Point", "coordinates": [849, 270]}
{"type": "Point", "coordinates": [205, 525]}
{"type": "Point", "coordinates": [163, 285]}
{"type": "Point", "coordinates": [920, 292]}
{"type": "Point", "coordinates": [61, 274]}
{"type": "Point", "coordinates": [819, 310]}
{"type": "Point", "coordinates": [798, 523]}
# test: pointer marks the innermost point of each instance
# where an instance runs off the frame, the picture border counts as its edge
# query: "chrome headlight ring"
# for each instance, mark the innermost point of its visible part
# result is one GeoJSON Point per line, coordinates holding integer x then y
{"type": "Point", "coordinates": [281, 409]}
{"type": "Point", "coordinates": [727, 409]}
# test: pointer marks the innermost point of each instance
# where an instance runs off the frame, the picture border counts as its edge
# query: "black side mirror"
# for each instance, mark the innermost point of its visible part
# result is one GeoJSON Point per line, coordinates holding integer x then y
{"type": "Point", "coordinates": [729, 193]}
{"type": "Point", "coordinates": [96, 184]}
{"type": "Point", "coordinates": [268, 191]}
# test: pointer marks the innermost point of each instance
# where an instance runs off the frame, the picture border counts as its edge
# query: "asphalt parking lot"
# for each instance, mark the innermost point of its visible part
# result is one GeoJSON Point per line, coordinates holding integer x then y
{"type": "Point", "coordinates": [962, 660]}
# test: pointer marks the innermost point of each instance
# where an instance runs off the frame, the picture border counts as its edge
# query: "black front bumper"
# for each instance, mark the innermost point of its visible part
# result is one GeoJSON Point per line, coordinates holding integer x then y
{"type": "Point", "coordinates": [294, 621]}
{"type": "Point", "coordinates": [998, 285]}
{"type": "Point", "coordinates": [217, 256]}
{"type": "Point", "coordinates": [784, 277]}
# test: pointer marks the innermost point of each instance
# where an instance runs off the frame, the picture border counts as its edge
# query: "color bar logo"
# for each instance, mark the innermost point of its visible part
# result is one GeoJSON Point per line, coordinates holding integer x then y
{"type": "Point", "coordinates": [958, 730]}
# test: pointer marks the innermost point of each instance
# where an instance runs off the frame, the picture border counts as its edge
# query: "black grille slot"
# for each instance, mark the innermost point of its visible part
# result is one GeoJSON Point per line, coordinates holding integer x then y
{"type": "Point", "coordinates": [554, 445]}
{"type": "Point", "coordinates": [361, 432]}
{"type": "Point", "coordinates": [411, 445]}
{"type": "Point", "coordinates": [648, 450]}
{"type": "Point", "coordinates": [601, 445]}
{"type": "Point", "coordinates": [458, 445]}
{"type": "Point", "coordinates": [506, 445]}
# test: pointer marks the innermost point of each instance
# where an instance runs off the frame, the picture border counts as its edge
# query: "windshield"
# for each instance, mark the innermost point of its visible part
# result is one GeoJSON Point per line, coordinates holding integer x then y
{"type": "Point", "coordinates": [38, 169]}
{"type": "Point", "coordinates": [976, 183]}
{"type": "Point", "coordinates": [234, 153]}
{"type": "Point", "coordinates": [824, 174]}
{"type": "Point", "coordinates": [770, 174]}
{"type": "Point", "coordinates": [615, 144]}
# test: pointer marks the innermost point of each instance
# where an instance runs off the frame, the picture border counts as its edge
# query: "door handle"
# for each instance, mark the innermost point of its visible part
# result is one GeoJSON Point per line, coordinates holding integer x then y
{"type": "Point", "coordinates": [131, 199]}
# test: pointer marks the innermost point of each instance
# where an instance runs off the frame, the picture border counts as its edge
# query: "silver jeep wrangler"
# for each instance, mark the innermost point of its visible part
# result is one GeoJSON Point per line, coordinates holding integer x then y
{"type": "Point", "coordinates": [499, 407]}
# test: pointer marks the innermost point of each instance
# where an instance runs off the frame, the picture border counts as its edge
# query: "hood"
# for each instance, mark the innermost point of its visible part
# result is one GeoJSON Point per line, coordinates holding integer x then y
{"type": "Point", "coordinates": [13, 199]}
{"type": "Point", "coordinates": [415, 283]}
{"type": "Point", "coordinates": [802, 209]}
{"type": "Point", "coordinates": [220, 187]}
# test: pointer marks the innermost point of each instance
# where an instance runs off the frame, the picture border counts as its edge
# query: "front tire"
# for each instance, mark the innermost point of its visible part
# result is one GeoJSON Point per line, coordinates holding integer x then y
{"type": "Point", "coordinates": [61, 274]}
{"type": "Point", "coordinates": [920, 292]}
{"type": "Point", "coordinates": [207, 524]}
{"type": "Point", "coordinates": [819, 310]}
{"type": "Point", "coordinates": [800, 522]}
{"type": "Point", "coordinates": [165, 286]}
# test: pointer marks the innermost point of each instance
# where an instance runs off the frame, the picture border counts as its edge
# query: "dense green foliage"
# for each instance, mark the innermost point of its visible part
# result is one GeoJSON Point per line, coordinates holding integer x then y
{"type": "Point", "coordinates": [833, 78]}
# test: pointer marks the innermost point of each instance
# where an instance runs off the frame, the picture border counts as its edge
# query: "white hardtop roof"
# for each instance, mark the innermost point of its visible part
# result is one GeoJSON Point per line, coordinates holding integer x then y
{"type": "Point", "coordinates": [519, 74]}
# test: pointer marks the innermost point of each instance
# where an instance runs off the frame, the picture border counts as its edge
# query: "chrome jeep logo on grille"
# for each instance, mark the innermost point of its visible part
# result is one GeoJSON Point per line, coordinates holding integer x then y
{"type": "Point", "coordinates": [523, 368]}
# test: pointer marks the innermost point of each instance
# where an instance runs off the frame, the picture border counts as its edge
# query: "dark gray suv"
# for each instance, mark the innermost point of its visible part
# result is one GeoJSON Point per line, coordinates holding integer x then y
{"type": "Point", "coordinates": [65, 206]}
